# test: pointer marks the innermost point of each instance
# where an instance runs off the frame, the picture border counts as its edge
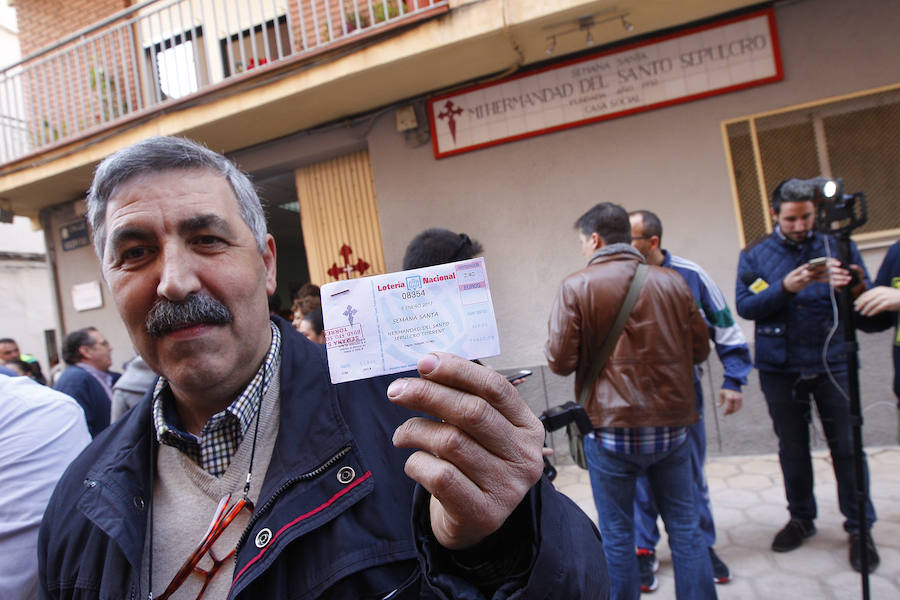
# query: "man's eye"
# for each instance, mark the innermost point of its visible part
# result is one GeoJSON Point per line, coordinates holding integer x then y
{"type": "Point", "coordinates": [133, 254]}
{"type": "Point", "coordinates": [208, 240]}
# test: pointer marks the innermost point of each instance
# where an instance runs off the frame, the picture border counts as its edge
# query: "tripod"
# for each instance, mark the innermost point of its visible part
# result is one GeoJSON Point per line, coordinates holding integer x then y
{"type": "Point", "coordinates": [840, 217]}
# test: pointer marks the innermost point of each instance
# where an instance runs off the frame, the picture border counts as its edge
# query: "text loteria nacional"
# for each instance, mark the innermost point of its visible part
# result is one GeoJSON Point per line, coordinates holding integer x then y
{"type": "Point", "coordinates": [425, 279]}
{"type": "Point", "coordinates": [712, 59]}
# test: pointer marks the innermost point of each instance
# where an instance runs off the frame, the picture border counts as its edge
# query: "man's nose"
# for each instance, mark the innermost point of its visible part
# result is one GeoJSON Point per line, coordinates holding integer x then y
{"type": "Point", "coordinates": [178, 277]}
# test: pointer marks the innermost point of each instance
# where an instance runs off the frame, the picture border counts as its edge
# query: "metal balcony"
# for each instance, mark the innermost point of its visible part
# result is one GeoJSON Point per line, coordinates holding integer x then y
{"type": "Point", "coordinates": [163, 52]}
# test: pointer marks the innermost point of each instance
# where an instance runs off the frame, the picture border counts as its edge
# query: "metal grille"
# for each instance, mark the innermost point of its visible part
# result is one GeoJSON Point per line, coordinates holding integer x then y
{"type": "Point", "coordinates": [864, 146]}
{"type": "Point", "coordinates": [753, 221]}
{"type": "Point", "coordinates": [855, 138]}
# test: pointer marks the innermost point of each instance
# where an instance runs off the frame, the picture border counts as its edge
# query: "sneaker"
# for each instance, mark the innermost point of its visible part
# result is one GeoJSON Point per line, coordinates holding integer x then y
{"type": "Point", "coordinates": [792, 535]}
{"type": "Point", "coordinates": [647, 566]}
{"type": "Point", "coordinates": [856, 556]}
{"type": "Point", "coordinates": [721, 572]}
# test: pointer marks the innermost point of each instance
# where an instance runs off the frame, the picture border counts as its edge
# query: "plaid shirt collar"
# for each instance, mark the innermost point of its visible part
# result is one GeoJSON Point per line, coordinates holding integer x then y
{"type": "Point", "coordinates": [223, 432]}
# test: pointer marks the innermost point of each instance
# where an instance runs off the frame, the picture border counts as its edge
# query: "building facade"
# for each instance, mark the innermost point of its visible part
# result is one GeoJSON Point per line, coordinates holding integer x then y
{"type": "Point", "coordinates": [330, 105]}
{"type": "Point", "coordinates": [28, 312]}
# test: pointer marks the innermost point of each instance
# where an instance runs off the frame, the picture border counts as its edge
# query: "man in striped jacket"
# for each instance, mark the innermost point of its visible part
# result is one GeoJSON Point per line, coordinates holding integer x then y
{"type": "Point", "coordinates": [731, 346]}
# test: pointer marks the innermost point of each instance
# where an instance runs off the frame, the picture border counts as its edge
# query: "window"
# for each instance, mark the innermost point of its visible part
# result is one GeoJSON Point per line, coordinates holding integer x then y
{"type": "Point", "coordinates": [245, 50]}
{"type": "Point", "coordinates": [178, 64]}
{"type": "Point", "coordinates": [856, 138]}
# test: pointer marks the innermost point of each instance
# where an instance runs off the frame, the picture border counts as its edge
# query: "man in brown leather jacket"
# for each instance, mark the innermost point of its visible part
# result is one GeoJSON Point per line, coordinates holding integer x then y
{"type": "Point", "coordinates": [643, 400]}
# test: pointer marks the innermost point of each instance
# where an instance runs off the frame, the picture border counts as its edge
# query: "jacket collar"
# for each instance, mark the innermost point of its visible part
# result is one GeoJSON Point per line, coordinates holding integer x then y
{"type": "Point", "coordinates": [779, 235]}
{"type": "Point", "coordinates": [118, 483]}
{"type": "Point", "coordinates": [311, 427]}
{"type": "Point", "coordinates": [667, 259]}
{"type": "Point", "coordinates": [311, 430]}
{"type": "Point", "coordinates": [618, 248]}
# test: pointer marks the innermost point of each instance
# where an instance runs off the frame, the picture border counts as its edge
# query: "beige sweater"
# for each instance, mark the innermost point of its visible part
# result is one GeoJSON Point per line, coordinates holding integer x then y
{"type": "Point", "coordinates": [185, 499]}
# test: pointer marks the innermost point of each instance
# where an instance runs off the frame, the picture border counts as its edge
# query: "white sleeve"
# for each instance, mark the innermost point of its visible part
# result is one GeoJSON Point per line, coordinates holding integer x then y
{"type": "Point", "coordinates": [41, 432]}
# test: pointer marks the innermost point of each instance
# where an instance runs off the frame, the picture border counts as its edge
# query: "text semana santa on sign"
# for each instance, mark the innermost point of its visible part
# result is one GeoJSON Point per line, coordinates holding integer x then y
{"type": "Point", "coordinates": [710, 59]}
{"type": "Point", "coordinates": [385, 323]}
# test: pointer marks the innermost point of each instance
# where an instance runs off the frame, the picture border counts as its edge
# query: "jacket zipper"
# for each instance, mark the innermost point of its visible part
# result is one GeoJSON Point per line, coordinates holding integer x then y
{"type": "Point", "coordinates": [257, 514]}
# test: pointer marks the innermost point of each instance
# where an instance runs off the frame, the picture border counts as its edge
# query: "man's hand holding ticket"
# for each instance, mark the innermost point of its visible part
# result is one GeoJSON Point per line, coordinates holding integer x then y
{"type": "Point", "coordinates": [384, 324]}
{"type": "Point", "coordinates": [482, 452]}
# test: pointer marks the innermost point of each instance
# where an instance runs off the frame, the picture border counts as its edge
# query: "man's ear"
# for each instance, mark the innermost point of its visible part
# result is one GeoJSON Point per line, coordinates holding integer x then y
{"type": "Point", "coordinates": [597, 241]}
{"type": "Point", "coordinates": [268, 257]}
{"type": "Point", "coordinates": [654, 242]}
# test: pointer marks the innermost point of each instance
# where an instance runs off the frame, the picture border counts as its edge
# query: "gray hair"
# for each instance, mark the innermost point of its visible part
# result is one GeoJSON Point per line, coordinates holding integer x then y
{"type": "Point", "coordinates": [157, 154]}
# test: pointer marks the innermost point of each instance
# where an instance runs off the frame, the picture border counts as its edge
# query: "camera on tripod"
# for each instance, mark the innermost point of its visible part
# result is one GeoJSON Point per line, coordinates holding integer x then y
{"type": "Point", "coordinates": [837, 212]}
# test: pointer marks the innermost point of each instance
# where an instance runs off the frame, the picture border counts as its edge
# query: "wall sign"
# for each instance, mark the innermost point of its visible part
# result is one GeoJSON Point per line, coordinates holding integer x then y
{"type": "Point", "coordinates": [74, 235]}
{"type": "Point", "coordinates": [87, 296]}
{"type": "Point", "coordinates": [697, 63]}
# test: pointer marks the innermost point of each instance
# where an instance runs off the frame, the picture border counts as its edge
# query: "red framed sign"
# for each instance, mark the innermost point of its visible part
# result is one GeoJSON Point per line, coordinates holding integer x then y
{"type": "Point", "coordinates": [703, 61]}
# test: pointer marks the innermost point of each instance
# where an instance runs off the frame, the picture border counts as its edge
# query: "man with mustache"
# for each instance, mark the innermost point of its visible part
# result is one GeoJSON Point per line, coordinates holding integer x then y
{"type": "Point", "coordinates": [314, 500]}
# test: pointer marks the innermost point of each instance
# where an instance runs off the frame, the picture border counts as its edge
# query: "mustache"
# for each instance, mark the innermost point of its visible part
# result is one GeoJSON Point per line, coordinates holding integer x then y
{"type": "Point", "coordinates": [197, 309]}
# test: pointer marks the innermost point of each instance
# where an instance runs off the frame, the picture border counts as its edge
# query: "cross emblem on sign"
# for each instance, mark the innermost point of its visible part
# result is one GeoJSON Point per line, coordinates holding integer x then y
{"type": "Point", "coordinates": [450, 111]}
{"type": "Point", "coordinates": [349, 313]}
{"type": "Point", "coordinates": [347, 270]}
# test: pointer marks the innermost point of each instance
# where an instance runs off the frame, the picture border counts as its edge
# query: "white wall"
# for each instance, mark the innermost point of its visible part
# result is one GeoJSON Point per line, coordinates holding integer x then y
{"type": "Point", "coordinates": [10, 112]}
{"type": "Point", "coordinates": [9, 41]}
{"type": "Point", "coordinates": [25, 292]}
{"type": "Point", "coordinates": [521, 199]}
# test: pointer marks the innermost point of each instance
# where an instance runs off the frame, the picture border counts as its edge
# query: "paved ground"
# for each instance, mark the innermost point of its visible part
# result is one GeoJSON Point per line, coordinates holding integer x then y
{"type": "Point", "coordinates": [749, 507]}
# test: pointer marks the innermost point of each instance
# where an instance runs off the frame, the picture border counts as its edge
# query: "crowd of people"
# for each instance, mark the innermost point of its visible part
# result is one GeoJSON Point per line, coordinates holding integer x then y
{"type": "Point", "coordinates": [424, 485]}
{"type": "Point", "coordinates": [646, 454]}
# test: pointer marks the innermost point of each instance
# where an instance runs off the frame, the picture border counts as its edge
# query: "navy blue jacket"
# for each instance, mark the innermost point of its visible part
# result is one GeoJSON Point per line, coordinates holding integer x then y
{"type": "Point", "coordinates": [330, 537]}
{"type": "Point", "coordinates": [90, 394]}
{"type": "Point", "coordinates": [888, 275]}
{"type": "Point", "coordinates": [791, 329]}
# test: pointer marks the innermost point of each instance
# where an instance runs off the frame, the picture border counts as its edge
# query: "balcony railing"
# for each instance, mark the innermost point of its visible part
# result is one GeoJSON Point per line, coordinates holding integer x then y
{"type": "Point", "coordinates": [159, 51]}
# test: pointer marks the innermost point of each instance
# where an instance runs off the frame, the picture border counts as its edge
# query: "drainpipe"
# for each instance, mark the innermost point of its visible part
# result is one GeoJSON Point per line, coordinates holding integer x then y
{"type": "Point", "coordinates": [46, 222]}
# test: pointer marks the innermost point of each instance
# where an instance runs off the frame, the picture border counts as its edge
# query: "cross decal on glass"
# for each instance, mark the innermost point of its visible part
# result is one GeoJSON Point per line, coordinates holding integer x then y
{"type": "Point", "coordinates": [347, 270]}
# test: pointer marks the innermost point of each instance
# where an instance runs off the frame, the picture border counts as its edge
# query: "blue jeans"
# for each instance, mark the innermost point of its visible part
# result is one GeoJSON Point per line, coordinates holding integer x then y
{"type": "Point", "coordinates": [646, 533]}
{"type": "Point", "coordinates": [613, 477]}
{"type": "Point", "coordinates": [788, 397]}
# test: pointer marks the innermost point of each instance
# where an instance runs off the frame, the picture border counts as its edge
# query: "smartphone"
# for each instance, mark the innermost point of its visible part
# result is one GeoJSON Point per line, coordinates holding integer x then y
{"type": "Point", "coordinates": [815, 263]}
{"type": "Point", "coordinates": [518, 375]}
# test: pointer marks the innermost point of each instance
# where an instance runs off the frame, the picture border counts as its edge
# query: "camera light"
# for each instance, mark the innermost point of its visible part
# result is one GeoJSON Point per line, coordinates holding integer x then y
{"type": "Point", "coordinates": [829, 189]}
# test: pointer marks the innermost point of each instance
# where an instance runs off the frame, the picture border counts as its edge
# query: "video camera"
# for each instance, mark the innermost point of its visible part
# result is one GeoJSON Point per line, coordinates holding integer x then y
{"type": "Point", "coordinates": [557, 418]}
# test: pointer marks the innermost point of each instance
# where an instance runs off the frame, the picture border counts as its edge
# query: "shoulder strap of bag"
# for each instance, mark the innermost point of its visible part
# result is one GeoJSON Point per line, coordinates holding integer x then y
{"type": "Point", "coordinates": [634, 290]}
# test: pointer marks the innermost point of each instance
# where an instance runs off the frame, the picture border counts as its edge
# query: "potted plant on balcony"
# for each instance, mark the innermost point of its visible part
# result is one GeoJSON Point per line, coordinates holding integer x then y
{"type": "Point", "coordinates": [360, 8]}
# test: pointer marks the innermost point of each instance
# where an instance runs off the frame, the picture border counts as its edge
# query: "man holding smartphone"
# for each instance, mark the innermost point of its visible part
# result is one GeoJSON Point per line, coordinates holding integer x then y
{"type": "Point", "coordinates": [787, 282]}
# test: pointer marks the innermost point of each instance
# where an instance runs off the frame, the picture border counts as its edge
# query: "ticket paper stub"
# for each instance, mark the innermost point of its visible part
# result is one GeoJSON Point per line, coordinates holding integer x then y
{"type": "Point", "coordinates": [385, 323]}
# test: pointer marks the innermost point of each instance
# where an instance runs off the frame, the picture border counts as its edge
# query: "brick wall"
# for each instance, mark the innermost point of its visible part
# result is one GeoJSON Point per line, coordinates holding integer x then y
{"type": "Point", "coordinates": [42, 22]}
{"type": "Point", "coordinates": [76, 90]}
